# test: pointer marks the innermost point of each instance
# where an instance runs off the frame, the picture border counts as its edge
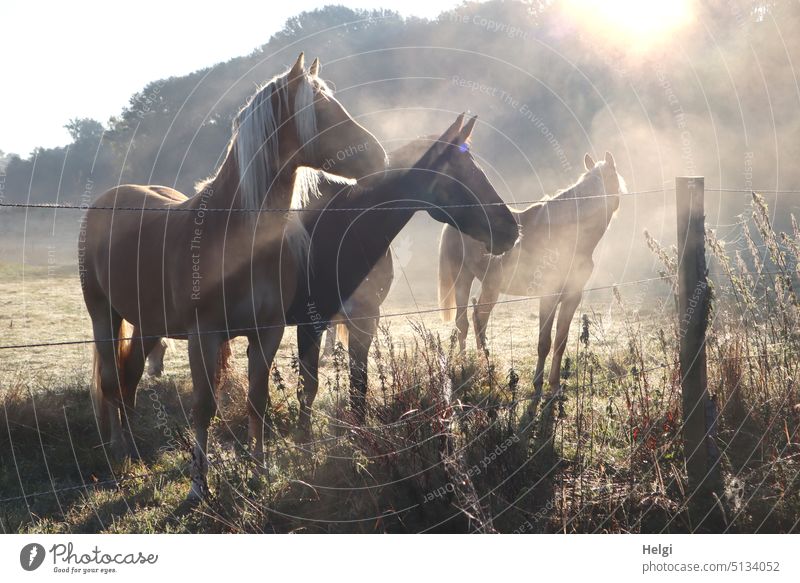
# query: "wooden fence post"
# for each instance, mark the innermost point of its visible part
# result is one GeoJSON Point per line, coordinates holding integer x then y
{"type": "Point", "coordinates": [699, 411]}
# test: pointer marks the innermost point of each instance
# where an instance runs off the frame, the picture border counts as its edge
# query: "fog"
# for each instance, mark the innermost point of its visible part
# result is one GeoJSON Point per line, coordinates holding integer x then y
{"type": "Point", "coordinates": [717, 98]}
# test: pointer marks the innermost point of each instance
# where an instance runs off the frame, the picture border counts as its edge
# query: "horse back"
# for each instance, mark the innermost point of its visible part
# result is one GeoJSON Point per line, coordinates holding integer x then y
{"type": "Point", "coordinates": [145, 196]}
{"type": "Point", "coordinates": [124, 251]}
{"type": "Point", "coordinates": [168, 193]}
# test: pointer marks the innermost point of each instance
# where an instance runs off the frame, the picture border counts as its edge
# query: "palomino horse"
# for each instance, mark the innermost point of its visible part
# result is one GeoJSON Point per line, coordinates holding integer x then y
{"type": "Point", "coordinates": [209, 268]}
{"type": "Point", "coordinates": [553, 258]}
{"type": "Point", "coordinates": [347, 244]}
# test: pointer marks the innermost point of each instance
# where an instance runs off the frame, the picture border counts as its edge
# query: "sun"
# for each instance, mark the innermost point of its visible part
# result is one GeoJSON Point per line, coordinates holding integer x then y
{"type": "Point", "coordinates": [639, 25]}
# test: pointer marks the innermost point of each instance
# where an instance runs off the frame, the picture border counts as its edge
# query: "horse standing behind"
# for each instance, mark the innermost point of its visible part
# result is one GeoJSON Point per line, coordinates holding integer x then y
{"type": "Point", "coordinates": [552, 259]}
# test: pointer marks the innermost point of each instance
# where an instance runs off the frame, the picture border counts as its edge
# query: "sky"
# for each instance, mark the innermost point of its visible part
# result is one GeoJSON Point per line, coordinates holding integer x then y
{"type": "Point", "coordinates": [60, 60]}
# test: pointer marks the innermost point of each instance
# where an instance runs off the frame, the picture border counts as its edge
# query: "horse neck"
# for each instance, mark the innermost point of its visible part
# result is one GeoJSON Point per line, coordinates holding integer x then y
{"type": "Point", "coordinates": [348, 244]}
{"type": "Point", "coordinates": [393, 209]}
{"type": "Point", "coordinates": [223, 188]}
{"type": "Point", "coordinates": [580, 202]}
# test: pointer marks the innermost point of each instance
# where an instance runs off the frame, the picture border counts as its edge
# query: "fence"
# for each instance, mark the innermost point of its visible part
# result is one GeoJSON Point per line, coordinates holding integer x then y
{"type": "Point", "coordinates": [699, 413]}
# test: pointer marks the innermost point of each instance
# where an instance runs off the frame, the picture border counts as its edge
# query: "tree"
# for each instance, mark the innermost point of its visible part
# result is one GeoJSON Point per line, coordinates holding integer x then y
{"type": "Point", "coordinates": [84, 129]}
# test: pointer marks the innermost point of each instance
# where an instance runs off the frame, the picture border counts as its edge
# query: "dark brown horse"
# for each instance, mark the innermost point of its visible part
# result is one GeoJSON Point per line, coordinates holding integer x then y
{"type": "Point", "coordinates": [210, 267]}
{"type": "Point", "coordinates": [357, 323]}
{"type": "Point", "coordinates": [346, 245]}
{"type": "Point", "coordinates": [553, 259]}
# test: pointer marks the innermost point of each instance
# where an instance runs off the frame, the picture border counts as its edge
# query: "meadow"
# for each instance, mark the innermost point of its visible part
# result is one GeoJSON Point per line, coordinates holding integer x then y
{"type": "Point", "coordinates": [448, 446]}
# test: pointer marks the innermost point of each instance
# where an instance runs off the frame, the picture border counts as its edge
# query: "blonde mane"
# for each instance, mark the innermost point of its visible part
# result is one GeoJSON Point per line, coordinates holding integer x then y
{"type": "Point", "coordinates": [313, 184]}
{"type": "Point", "coordinates": [587, 193]}
{"type": "Point", "coordinates": [310, 184]}
{"type": "Point", "coordinates": [590, 183]}
{"type": "Point", "coordinates": [255, 139]}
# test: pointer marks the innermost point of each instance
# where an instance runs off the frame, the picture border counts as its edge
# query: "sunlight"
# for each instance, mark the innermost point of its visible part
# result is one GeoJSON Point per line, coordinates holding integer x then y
{"type": "Point", "coordinates": [637, 24]}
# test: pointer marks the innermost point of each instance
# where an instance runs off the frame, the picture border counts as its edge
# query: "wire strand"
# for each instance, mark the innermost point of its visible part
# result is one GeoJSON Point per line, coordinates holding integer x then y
{"type": "Point", "coordinates": [232, 332]}
{"type": "Point", "coordinates": [173, 209]}
{"type": "Point", "coordinates": [176, 209]}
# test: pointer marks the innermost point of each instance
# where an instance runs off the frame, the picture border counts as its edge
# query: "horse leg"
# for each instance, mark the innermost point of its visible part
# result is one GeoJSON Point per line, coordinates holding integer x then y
{"type": "Point", "coordinates": [569, 304]}
{"type": "Point", "coordinates": [482, 311]}
{"type": "Point", "coordinates": [308, 345]}
{"type": "Point", "coordinates": [203, 352]}
{"type": "Point", "coordinates": [155, 358]}
{"type": "Point", "coordinates": [362, 332]}
{"type": "Point", "coordinates": [462, 287]}
{"type": "Point", "coordinates": [260, 355]}
{"type": "Point", "coordinates": [330, 342]}
{"type": "Point", "coordinates": [547, 313]}
{"type": "Point", "coordinates": [544, 443]}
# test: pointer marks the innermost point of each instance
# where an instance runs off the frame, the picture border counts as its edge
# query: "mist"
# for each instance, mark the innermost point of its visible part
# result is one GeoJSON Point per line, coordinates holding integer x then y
{"type": "Point", "coordinates": [719, 99]}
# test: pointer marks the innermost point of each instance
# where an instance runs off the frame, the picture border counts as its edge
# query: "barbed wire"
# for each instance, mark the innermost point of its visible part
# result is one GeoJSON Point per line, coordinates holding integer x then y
{"type": "Point", "coordinates": [232, 332]}
{"type": "Point", "coordinates": [122, 479]}
{"type": "Point", "coordinates": [170, 209]}
{"type": "Point", "coordinates": [175, 209]}
{"type": "Point", "coordinates": [752, 190]}
{"type": "Point", "coordinates": [117, 481]}
{"type": "Point", "coordinates": [241, 331]}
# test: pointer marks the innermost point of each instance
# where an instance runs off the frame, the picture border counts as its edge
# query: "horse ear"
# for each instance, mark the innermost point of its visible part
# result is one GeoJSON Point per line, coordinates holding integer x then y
{"type": "Point", "coordinates": [297, 69]}
{"type": "Point", "coordinates": [610, 160]}
{"type": "Point", "coordinates": [449, 136]}
{"type": "Point", "coordinates": [588, 162]}
{"type": "Point", "coordinates": [466, 131]}
{"type": "Point", "coordinates": [314, 70]}
{"type": "Point", "coordinates": [451, 133]}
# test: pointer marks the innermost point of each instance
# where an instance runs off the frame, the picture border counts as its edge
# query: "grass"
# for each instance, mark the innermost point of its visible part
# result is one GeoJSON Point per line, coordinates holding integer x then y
{"type": "Point", "coordinates": [447, 446]}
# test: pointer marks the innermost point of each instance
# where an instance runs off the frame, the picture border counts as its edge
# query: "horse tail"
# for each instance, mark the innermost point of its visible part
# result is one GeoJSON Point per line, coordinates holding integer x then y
{"type": "Point", "coordinates": [101, 407]}
{"type": "Point", "coordinates": [342, 334]}
{"type": "Point", "coordinates": [451, 261]}
{"type": "Point", "coordinates": [96, 389]}
{"type": "Point", "coordinates": [124, 347]}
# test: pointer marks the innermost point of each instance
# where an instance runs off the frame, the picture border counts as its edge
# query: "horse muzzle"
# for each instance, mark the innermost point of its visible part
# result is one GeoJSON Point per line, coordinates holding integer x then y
{"type": "Point", "coordinates": [503, 240]}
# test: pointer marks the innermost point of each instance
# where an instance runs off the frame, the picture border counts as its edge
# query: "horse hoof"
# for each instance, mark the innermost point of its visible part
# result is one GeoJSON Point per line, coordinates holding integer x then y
{"type": "Point", "coordinates": [118, 450]}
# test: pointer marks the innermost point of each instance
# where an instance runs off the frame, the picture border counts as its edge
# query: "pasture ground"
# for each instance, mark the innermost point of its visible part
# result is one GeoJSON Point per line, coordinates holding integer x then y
{"type": "Point", "coordinates": [445, 449]}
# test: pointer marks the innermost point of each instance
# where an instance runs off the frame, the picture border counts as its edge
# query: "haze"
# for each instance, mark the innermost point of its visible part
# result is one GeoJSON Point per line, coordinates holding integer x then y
{"type": "Point", "coordinates": [87, 59]}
